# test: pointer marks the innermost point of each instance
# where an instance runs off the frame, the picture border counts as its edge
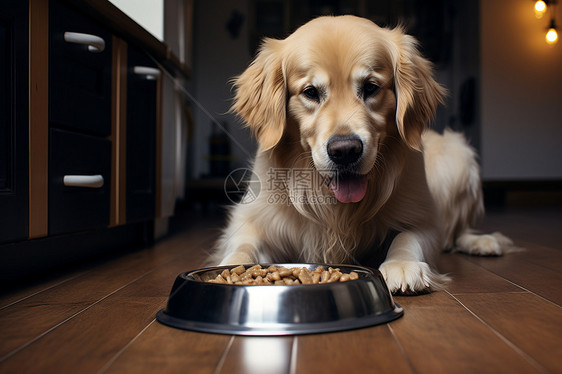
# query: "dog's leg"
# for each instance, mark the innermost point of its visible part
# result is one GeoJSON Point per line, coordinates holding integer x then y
{"type": "Point", "coordinates": [244, 254]}
{"type": "Point", "coordinates": [495, 244]}
{"type": "Point", "coordinates": [239, 244]}
{"type": "Point", "coordinates": [405, 269]}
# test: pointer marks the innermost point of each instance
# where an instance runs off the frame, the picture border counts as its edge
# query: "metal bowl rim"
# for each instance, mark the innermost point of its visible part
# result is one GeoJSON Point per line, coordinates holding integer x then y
{"type": "Point", "coordinates": [281, 329]}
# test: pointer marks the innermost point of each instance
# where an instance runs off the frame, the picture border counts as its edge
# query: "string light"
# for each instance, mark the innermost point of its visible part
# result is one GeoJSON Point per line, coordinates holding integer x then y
{"type": "Point", "coordinates": [540, 8]}
{"type": "Point", "coordinates": [552, 33]}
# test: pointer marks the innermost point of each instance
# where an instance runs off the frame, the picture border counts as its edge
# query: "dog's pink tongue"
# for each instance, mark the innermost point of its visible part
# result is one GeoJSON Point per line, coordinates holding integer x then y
{"type": "Point", "coordinates": [350, 189]}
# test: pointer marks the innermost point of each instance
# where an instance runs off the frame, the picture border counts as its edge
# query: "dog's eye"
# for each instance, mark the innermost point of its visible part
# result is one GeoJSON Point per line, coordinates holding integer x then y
{"type": "Point", "coordinates": [312, 93]}
{"type": "Point", "coordinates": [369, 89]}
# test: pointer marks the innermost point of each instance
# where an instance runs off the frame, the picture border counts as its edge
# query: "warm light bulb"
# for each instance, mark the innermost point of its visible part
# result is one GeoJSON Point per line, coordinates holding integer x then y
{"type": "Point", "coordinates": [540, 8]}
{"type": "Point", "coordinates": [551, 36]}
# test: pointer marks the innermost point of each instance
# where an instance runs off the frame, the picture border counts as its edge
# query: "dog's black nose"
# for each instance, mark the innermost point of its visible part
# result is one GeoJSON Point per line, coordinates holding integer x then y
{"type": "Point", "coordinates": [344, 150]}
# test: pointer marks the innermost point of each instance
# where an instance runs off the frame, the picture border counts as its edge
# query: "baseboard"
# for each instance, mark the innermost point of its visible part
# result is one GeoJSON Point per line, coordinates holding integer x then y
{"type": "Point", "coordinates": [501, 193]}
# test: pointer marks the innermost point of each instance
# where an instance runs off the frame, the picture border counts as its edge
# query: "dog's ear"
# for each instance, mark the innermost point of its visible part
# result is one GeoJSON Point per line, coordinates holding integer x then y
{"type": "Point", "coordinates": [417, 93]}
{"type": "Point", "coordinates": [261, 95]}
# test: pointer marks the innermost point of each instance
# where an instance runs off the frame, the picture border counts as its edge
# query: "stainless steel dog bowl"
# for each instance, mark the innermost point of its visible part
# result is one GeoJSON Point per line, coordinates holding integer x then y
{"type": "Point", "coordinates": [196, 305]}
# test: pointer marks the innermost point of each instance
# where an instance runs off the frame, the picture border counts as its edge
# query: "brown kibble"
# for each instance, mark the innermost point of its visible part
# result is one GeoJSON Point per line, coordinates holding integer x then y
{"type": "Point", "coordinates": [319, 269]}
{"type": "Point", "coordinates": [262, 272]}
{"type": "Point", "coordinates": [238, 270]}
{"type": "Point", "coordinates": [246, 275]}
{"type": "Point", "coordinates": [304, 277]}
{"type": "Point", "coordinates": [324, 276]}
{"type": "Point", "coordinates": [256, 275]}
{"type": "Point", "coordinates": [255, 270]}
{"type": "Point", "coordinates": [315, 277]}
{"type": "Point", "coordinates": [334, 277]}
{"type": "Point", "coordinates": [283, 272]}
{"type": "Point", "coordinates": [296, 271]}
{"type": "Point", "coordinates": [218, 279]}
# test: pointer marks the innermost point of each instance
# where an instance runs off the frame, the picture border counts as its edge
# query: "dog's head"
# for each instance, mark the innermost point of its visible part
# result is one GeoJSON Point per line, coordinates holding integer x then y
{"type": "Point", "coordinates": [341, 86]}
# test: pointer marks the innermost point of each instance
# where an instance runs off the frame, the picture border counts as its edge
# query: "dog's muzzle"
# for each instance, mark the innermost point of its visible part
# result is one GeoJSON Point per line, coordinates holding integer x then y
{"type": "Point", "coordinates": [345, 152]}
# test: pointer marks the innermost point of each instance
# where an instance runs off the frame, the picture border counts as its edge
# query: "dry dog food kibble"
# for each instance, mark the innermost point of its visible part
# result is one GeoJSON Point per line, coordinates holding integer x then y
{"type": "Point", "coordinates": [256, 275]}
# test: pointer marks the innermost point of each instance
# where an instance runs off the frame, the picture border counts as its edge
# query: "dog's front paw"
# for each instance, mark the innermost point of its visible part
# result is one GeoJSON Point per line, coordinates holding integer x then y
{"type": "Point", "coordinates": [411, 277]}
{"type": "Point", "coordinates": [494, 244]}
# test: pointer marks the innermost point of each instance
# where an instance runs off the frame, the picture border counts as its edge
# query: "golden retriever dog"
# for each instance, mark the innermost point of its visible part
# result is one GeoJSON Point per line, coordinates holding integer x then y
{"type": "Point", "coordinates": [348, 171]}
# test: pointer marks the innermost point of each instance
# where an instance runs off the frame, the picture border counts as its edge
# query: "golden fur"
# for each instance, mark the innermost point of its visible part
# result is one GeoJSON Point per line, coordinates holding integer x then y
{"type": "Point", "coordinates": [345, 76]}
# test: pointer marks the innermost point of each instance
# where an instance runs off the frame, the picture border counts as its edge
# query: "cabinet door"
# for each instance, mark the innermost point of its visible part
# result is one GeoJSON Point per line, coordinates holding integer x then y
{"type": "Point", "coordinates": [14, 208]}
{"type": "Point", "coordinates": [79, 181]}
{"type": "Point", "coordinates": [141, 136]}
{"type": "Point", "coordinates": [79, 72]}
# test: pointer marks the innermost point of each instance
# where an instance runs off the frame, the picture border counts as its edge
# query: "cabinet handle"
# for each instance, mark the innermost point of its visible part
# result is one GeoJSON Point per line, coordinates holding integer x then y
{"type": "Point", "coordinates": [95, 43]}
{"type": "Point", "coordinates": [150, 73]}
{"type": "Point", "coordinates": [88, 181]}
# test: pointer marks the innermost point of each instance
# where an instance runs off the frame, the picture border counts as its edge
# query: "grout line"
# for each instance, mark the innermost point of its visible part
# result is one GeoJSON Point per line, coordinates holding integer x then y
{"type": "Point", "coordinates": [522, 292]}
{"type": "Point", "coordinates": [122, 350]}
{"type": "Point", "coordinates": [45, 289]}
{"type": "Point", "coordinates": [533, 293]}
{"type": "Point", "coordinates": [402, 350]}
{"type": "Point", "coordinates": [222, 359]}
{"type": "Point", "coordinates": [515, 284]}
{"type": "Point", "coordinates": [294, 353]}
{"type": "Point", "coordinates": [518, 350]}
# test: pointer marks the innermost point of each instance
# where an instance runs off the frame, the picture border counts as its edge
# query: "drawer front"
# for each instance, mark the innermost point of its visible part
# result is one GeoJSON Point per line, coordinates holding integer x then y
{"type": "Point", "coordinates": [79, 72]}
{"type": "Point", "coordinates": [77, 201]}
{"type": "Point", "coordinates": [141, 136]}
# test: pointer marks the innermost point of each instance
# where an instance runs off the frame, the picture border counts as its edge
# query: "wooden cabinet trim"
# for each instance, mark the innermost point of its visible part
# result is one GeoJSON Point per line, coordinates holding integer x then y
{"type": "Point", "coordinates": [38, 117]}
{"type": "Point", "coordinates": [118, 205]}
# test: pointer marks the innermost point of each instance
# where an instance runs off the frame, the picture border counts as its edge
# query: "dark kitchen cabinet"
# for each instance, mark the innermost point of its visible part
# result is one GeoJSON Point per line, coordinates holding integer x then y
{"type": "Point", "coordinates": [79, 181]}
{"type": "Point", "coordinates": [80, 68]}
{"type": "Point", "coordinates": [79, 72]}
{"type": "Point", "coordinates": [80, 133]}
{"type": "Point", "coordinates": [142, 79]}
{"type": "Point", "coordinates": [14, 208]}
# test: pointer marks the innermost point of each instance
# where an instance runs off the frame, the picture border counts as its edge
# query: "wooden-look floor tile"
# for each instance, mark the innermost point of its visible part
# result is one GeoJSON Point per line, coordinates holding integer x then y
{"type": "Point", "coordinates": [440, 336]}
{"type": "Point", "coordinates": [468, 277]}
{"type": "Point", "coordinates": [88, 341]}
{"type": "Point", "coordinates": [258, 355]}
{"type": "Point", "coordinates": [103, 321]}
{"type": "Point", "coordinates": [541, 226]}
{"type": "Point", "coordinates": [24, 321]}
{"type": "Point", "coordinates": [547, 257]}
{"type": "Point", "coordinates": [531, 323]}
{"type": "Point", "coordinates": [162, 349]}
{"type": "Point", "coordinates": [13, 297]}
{"type": "Point", "coordinates": [535, 278]}
{"type": "Point", "coordinates": [367, 350]}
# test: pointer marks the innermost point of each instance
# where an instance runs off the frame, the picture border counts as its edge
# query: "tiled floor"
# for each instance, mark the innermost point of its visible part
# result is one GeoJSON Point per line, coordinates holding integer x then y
{"type": "Point", "coordinates": [500, 315]}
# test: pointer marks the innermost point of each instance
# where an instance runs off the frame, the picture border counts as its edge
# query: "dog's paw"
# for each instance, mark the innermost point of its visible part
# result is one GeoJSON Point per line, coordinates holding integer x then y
{"type": "Point", "coordinates": [411, 277]}
{"type": "Point", "coordinates": [495, 244]}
